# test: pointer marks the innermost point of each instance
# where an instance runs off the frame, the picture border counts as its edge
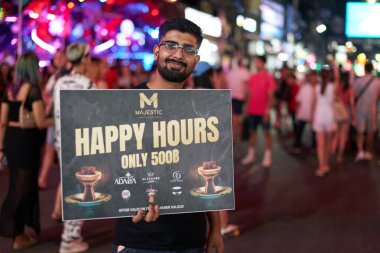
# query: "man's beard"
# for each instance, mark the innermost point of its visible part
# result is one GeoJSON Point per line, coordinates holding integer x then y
{"type": "Point", "coordinates": [172, 75]}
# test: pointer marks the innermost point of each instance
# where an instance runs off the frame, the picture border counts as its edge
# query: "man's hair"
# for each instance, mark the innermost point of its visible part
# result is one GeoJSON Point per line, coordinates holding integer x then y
{"type": "Point", "coordinates": [182, 25]}
{"type": "Point", "coordinates": [75, 52]}
{"type": "Point", "coordinates": [263, 58]}
{"type": "Point", "coordinates": [368, 67]}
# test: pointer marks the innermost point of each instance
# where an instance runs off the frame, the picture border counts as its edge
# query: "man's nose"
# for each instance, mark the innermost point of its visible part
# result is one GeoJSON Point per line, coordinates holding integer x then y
{"type": "Point", "coordinates": [179, 53]}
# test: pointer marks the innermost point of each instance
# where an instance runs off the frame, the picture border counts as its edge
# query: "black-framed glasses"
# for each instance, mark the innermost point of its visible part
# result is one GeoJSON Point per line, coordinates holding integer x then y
{"type": "Point", "coordinates": [172, 47]}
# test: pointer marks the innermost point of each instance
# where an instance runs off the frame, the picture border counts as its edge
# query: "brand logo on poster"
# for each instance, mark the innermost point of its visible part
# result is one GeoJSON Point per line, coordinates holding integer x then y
{"type": "Point", "coordinates": [150, 178]}
{"type": "Point", "coordinates": [152, 102]}
{"type": "Point", "coordinates": [176, 190]}
{"type": "Point", "coordinates": [128, 179]}
{"type": "Point", "coordinates": [177, 177]}
{"type": "Point", "coordinates": [126, 194]}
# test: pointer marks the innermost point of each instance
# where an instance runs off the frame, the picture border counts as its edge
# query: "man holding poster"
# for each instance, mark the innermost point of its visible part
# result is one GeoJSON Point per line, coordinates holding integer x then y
{"type": "Point", "coordinates": [176, 56]}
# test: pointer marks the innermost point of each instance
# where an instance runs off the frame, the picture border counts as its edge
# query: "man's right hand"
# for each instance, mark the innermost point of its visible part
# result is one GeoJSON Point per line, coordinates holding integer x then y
{"type": "Point", "coordinates": [151, 216]}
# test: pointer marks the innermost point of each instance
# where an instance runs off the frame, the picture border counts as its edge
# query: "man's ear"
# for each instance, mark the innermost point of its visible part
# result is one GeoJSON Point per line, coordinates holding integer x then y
{"type": "Point", "coordinates": [156, 49]}
{"type": "Point", "coordinates": [197, 59]}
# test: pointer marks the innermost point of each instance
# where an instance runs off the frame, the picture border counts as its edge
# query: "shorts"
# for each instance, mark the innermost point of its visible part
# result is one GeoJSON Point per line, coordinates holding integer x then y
{"type": "Point", "coordinates": [237, 106]}
{"type": "Point", "coordinates": [255, 121]}
{"type": "Point", "coordinates": [323, 120]}
{"type": "Point", "coordinates": [327, 127]}
{"type": "Point", "coordinates": [366, 123]}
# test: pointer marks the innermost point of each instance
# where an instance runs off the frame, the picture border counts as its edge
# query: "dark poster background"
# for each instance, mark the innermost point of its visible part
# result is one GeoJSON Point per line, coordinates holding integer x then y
{"type": "Point", "coordinates": [122, 181]}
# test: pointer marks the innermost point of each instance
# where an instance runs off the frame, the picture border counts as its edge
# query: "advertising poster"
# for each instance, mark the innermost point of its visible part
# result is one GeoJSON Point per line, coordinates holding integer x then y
{"type": "Point", "coordinates": [124, 149]}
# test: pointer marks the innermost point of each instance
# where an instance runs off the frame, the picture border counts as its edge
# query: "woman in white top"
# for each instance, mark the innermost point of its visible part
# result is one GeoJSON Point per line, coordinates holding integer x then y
{"type": "Point", "coordinates": [323, 120]}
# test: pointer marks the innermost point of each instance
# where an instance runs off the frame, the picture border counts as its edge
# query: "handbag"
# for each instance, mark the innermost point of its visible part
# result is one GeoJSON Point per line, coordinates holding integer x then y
{"type": "Point", "coordinates": [26, 117]}
{"type": "Point", "coordinates": [340, 111]}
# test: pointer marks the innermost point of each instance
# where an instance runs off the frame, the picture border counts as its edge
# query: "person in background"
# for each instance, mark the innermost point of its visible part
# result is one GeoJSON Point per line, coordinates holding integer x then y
{"type": "Point", "coordinates": [282, 96]}
{"type": "Point", "coordinates": [79, 56]}
{"type": "Point", "coordinates": [261, 86]}
{"type": "Point", "coordinates": [367, 96]}
{"type": "Point", "coordinates": [323, 120]}
{"type": "Point", "coordinates": [22, 147]}
{"type": "Point", "coordinates": [96, 73]}
{"type": "Point", "coordinates": [292, 104]}
{"type": "Point", "coordinates": [6, 77]}
{"type": "Point", "coordinates": [124, 79]}
{"type": "Point", "coordinates": [219, 79]}
{"type": "Point", "coordinates": [304, 109]}
{"type": "Point", "coordinates": [112, 73]}
{"type": "Point", "coordinates": [237, 79]}
{"type": "Point", "coordinates": [209, 77]}
{"type": "Point", "coordinates": [344, 96]}
{"type": "Point", "coordinates": [59, 64]}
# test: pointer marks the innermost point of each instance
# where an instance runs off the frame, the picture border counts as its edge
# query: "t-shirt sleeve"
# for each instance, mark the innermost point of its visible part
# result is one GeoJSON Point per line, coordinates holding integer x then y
{"type": "Point", "coordinates": [34, 95]}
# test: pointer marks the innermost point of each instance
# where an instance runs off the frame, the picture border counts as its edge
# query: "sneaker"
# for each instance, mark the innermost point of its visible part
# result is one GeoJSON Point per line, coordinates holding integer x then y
{"type": "Point", "coordinates": [360, 156]}
{"type": "Point", "coordinates": [267, 161]}
{"type": "Point", "coordinates": [230, 229]}
{"type": "Point", "coordinates": [368, 156]}
{"type": "Point", "coordinates": [248, 159]}
{"type": "Point", "coordinates": [73, 246]}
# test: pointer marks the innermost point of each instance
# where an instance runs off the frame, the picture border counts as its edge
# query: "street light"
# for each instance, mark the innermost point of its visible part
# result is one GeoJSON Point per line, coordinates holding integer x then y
{"type": "Point", "coordinates": [321, 28]}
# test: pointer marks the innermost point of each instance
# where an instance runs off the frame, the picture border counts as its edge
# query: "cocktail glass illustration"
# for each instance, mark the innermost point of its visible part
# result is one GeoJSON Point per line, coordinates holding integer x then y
{"type": "Point", "coordinates": [208, 171]}
{"type": "Point", "coordinates": [151, 193]}
{"type": "Point", "coordinates": [88, 176]}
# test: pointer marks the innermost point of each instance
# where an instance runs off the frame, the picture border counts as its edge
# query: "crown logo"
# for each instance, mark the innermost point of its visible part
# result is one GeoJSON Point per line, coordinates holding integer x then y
{"type": "Point", "coordinates": [150, 174]}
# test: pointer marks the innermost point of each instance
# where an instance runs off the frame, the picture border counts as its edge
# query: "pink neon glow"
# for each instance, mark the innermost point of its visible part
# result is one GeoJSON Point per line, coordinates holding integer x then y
{"type": "Point", "coordinates": [50, 16]}
{"type": "Point", "coordinates": [104, 46]}
{"type": "Point", "coordinates": [33, 15]}
{"type": "Point", "coordinates": [10, 19]}
{"type": "Point", "coordinates": [42, 44]}
{"type": "Point", "coordinates": [13, 41]}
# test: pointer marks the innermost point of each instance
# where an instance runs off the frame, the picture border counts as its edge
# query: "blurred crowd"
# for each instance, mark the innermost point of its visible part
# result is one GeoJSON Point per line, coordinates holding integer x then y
{"type": "Point", "coordinates": [325, 112]}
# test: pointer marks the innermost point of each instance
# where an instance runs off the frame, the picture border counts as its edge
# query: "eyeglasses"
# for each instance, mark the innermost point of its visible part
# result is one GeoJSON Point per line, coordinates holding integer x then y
{"type": "Point", "coordinates": [172, 47]}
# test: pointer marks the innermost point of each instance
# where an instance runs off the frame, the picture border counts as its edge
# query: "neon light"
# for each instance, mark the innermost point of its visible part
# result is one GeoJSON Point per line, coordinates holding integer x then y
{"type": "Point", "coordinates": [10, 19]}
{"type": "Point", "coordinates": [70, 5]}
{"type": "Point", "coordinates": [33, 15]}
{"type": "Point", "coordinates": [42, 44]}
{"type": "Point", "coordinates": [43, 64]}
{"type": "Point", "coordinates": [57, 26]}
{"type": "Point", "coordinates": [155, 12]}
{"type": "Point", "coordinates": [50, 16]}
{"type": "Point", "coordinates": [102, 47]}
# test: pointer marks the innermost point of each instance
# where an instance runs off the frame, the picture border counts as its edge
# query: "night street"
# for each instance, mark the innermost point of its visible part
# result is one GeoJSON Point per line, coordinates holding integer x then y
{"type": "Point", "coordinates": [282, 209]}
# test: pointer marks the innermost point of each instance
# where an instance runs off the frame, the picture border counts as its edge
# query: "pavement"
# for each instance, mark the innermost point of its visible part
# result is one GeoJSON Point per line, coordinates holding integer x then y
{"type": "Point", "coordinates": [285, 208]}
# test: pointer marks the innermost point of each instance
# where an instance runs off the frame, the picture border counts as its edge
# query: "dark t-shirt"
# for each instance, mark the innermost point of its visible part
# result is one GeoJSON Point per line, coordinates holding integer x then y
{"type": "Point", "coordinates": [14, 105]}
{"type": "Point", "coordinates": [168, 232]}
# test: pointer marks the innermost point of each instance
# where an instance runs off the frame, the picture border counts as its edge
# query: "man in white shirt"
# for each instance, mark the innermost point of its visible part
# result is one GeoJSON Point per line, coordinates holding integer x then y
{"type": "Point", "coordinates": [304, 109]}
